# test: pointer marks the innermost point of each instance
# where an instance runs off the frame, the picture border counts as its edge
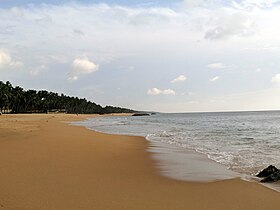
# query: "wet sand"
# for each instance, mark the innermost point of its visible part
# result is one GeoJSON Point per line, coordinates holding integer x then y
{"type": "Point", "coordinates": [46, 163]}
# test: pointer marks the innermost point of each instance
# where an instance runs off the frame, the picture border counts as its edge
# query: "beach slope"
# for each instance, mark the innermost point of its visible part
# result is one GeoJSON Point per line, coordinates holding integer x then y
{"type": "Point", "coordinates": [46, 163]}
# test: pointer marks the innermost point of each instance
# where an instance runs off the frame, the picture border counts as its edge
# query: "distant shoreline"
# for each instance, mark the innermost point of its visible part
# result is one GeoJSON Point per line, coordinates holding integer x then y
{"type": "Point", "coordinates": [227, 111]}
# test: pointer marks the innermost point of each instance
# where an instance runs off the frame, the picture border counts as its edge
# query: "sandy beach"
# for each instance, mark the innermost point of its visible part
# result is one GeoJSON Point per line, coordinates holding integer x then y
{"type": "Point", "coordinates": [45, 163]}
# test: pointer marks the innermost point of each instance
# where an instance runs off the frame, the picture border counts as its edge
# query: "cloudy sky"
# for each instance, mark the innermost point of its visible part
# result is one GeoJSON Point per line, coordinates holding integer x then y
{"type": "Point", "coordinates": [161, 55]}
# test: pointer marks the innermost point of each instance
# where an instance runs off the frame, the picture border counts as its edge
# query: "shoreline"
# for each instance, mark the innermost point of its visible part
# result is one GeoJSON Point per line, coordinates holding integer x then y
{"type": "Point", "coordinates": [48, 164]}
{"type": "Point", "coordinates": [181, 163]}
{"type": "Point", "coordinates": [186, 164]}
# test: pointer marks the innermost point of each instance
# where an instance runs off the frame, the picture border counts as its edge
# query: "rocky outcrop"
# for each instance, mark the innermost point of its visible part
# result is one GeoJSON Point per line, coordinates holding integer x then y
{"type": "Point", "coordinates": [141, 114]}
{"type": "Point", "coordinates": [269, 174]}
{"type": "Point", "coordinates": [272, 178]}
{"type": "Point", "coordinates": [267, 171]}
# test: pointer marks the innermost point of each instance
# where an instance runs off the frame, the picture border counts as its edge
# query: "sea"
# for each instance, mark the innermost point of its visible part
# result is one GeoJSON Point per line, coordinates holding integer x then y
{"type": "Point", "coordinates": [204, 146]}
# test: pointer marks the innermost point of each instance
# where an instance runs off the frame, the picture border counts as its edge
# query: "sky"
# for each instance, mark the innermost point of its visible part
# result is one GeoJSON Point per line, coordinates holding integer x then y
{"type": "Point", "coordinates": [166, 56]}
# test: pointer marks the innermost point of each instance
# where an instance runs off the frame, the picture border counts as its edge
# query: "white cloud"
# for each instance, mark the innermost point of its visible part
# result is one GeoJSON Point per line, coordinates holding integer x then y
{"type": "Point", "coordinates": [180, 78]}
{"type": "Point", "coordinates": [276, 78]}
{"type": "Point", "coordinates": [251, 4]}
{"type": "Point", "coordinates": [82, 66]}
{"type": "Point", "coordinates": [73, 78]}
{"type": "Point", "coordinates": [201, 3]}
{"type": "Point", "coordinates": [230, 25]}
{"type": "Point", "coordinates": [7, 61]}
{"type": "Point", "coordinates": [34, 72]}
{"type": "Point", "coordinates": [17, 11]}
{"type": "Point", "coordinates": [156, 91]}
{"type": "Point", "coordinates": [143, 37]}
{"type": "Point", "coordinates": [214, 79]}
{"type": "Point", "coordinates": [38, 70]}
{"type": "Point", "coordinates": [216, 66]}
{"type": "Point", "coordinates": [168, 92]}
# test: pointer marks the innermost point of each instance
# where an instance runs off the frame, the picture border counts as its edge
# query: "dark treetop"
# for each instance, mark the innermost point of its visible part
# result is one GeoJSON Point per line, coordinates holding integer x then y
{"type": "Point", "coordinates": [18, 100]}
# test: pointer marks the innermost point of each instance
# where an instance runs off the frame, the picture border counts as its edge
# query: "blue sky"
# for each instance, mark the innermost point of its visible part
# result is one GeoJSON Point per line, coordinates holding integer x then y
{"type": "Point", "coordinates": [171, 56]}
{"type": "Point", "coordinates": [12, 3]}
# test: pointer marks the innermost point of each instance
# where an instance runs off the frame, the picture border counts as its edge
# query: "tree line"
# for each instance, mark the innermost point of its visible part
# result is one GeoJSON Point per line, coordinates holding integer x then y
{"type": "Point", "coordinates": [17, 100]}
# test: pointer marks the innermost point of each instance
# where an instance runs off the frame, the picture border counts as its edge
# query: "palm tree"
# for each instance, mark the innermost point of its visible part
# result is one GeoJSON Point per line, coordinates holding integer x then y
{"type": "Point", "coordinates": [17, 100]}
{"type": "Point", "coordinates": [5, 96]}
{"type": "Point", "coordinates": [21, 101]}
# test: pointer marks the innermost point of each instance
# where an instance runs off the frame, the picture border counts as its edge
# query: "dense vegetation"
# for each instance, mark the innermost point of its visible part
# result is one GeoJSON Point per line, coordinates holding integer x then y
{"type": "Point", "coordinates": [18, 100]}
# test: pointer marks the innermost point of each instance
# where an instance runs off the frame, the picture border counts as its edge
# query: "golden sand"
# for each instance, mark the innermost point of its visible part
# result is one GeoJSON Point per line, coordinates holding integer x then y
{"type": "Point", "coordinates": [47, 164]}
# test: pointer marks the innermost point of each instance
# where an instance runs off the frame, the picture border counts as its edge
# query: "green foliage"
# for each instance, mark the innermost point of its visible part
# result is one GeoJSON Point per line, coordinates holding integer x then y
{"type": "Point", "coordinates": [17, 100]}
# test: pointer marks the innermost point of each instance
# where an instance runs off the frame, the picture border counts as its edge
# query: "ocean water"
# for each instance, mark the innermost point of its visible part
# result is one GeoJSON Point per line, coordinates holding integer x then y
{"type": "Point", "coordinates": [242, 142]}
